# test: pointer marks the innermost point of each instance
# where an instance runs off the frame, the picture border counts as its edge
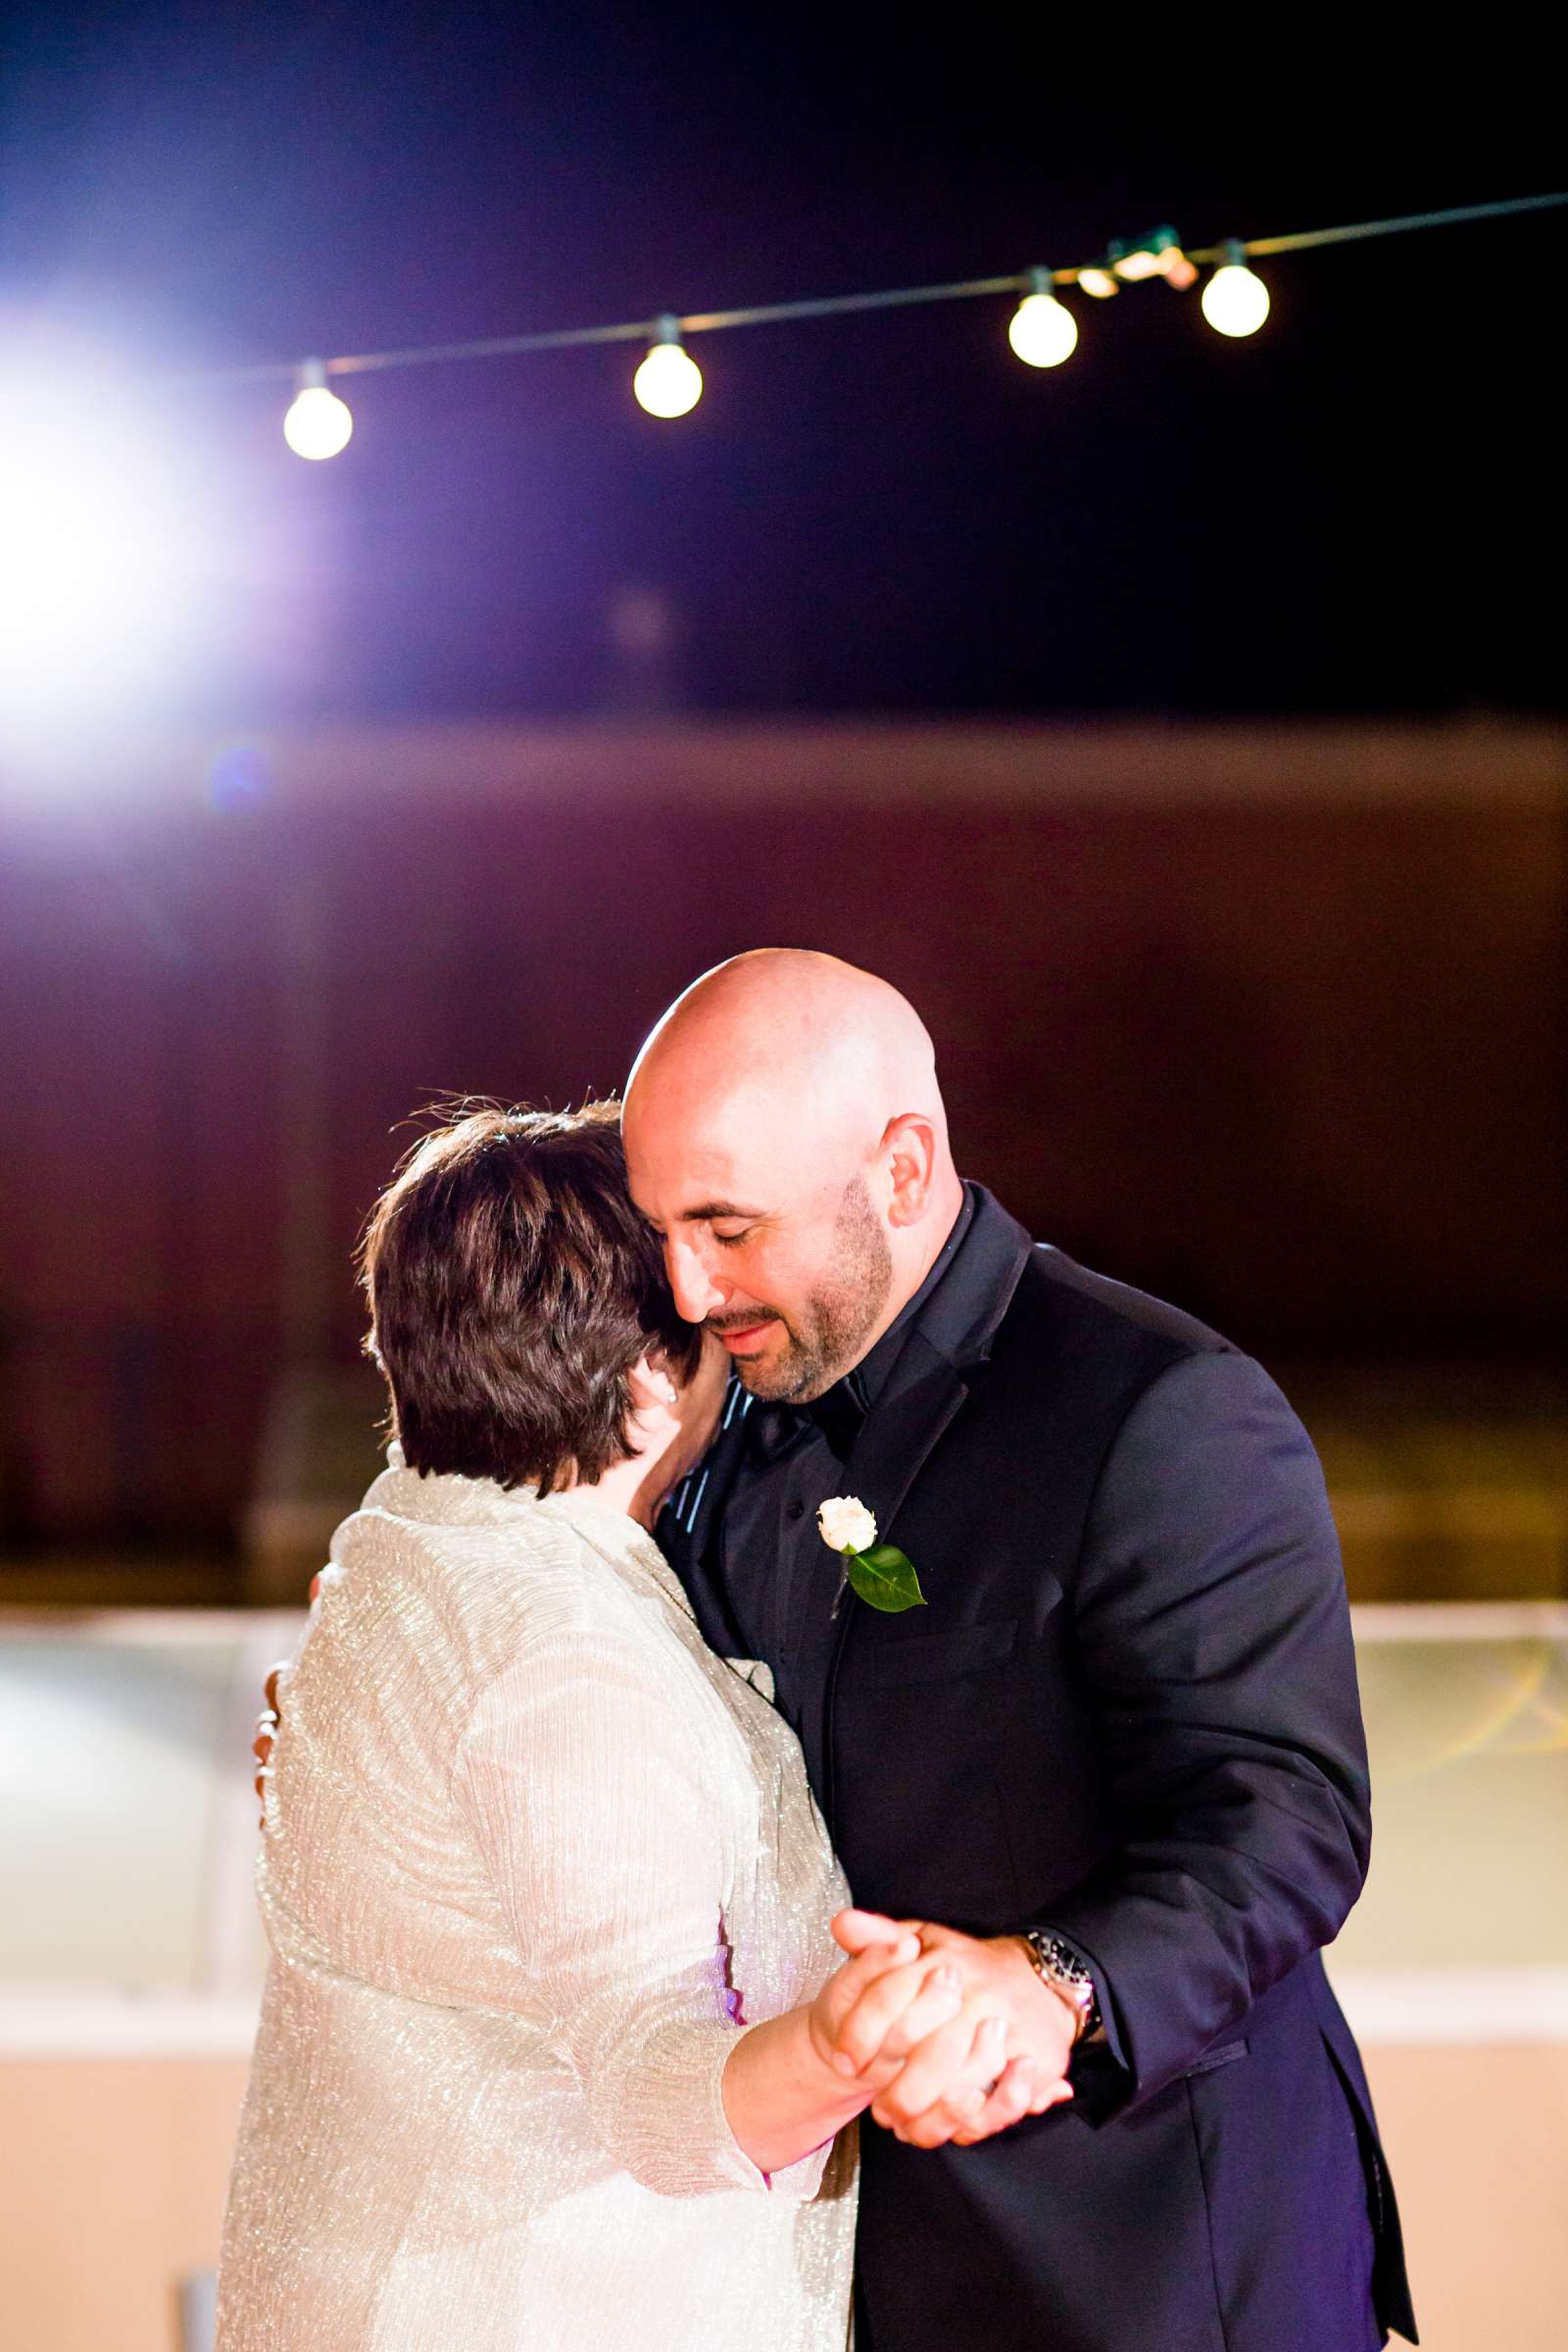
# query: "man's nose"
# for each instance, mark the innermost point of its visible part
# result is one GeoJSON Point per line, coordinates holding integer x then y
{"type": "Point", "coordinates": [697, 1295]}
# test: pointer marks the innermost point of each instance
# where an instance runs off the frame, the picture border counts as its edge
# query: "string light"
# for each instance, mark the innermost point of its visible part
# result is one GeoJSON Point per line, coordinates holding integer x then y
{"type": "Point", "coordinates": [1156, 255]}
{"type": "Point", "coordinates": [1043, 331]}
{"type": "Point", "coordinates": [319, 423]}
{"type": "Point", "coordinates": [1133, 264]}
{"type": "Point", "coordinates": [1235, 300]}
{"type": "Point", "coordinates": [669, 382]}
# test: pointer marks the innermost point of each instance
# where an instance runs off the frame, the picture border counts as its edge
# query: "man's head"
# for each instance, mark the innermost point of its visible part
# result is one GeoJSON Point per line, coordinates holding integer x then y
{"type": "Point", "coordinates": [785, 1133]}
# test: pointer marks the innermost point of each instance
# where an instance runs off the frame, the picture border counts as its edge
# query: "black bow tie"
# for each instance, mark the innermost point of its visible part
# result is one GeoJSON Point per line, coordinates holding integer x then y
{"type": "Point", "coordinates": [773, 1429]}
{"type": "Point", "coordinates": [839, 1415]}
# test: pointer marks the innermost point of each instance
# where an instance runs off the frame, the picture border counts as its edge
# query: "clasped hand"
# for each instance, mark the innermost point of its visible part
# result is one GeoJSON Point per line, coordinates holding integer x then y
{"type": "Point", "coordinates": [955, 2037]}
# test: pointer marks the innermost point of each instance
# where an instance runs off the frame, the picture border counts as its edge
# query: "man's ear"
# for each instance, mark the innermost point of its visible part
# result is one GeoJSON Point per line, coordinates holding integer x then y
{"type": "Point", "coordinates": [909, 1144]}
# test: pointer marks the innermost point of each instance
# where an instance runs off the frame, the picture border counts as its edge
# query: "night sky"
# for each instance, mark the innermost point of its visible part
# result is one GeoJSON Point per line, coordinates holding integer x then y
{"type": "Point", "coordinates": [1358, 511]}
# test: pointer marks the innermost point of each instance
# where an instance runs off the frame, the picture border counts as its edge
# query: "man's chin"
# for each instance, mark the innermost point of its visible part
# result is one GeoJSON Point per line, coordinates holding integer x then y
{"type": "Point", "coordinates": [769, 1369]}
{"type": "Point", "coordinates": [780, 1378]}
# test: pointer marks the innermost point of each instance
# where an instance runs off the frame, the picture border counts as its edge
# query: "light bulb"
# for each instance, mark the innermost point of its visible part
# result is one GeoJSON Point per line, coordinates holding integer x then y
{"type": "Point", "coordinates": [1236, 299]}
{"type": "Point", "coordinates": [669, 383]}
{"type": "Point", "coordinates": [1097, 282]}
{"type": "Point", "coordinates": [1043, 331]}
{"type": "Point", "coordinates": [319, 423]}
{"type": "Point", "coordinates": [1157, 255]}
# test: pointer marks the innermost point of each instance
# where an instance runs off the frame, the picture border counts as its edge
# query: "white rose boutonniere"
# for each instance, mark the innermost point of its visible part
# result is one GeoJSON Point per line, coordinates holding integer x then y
{"type": "Point", "coordinates": [880, 1573]}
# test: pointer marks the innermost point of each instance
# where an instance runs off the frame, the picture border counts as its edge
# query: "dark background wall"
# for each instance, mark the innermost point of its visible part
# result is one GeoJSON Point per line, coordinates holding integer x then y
{"type": "Point", "coordinates": [1268, 1020]}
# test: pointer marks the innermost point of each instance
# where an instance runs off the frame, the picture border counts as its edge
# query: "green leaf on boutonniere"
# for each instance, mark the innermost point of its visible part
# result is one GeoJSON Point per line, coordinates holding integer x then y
{"type": "Point", "coordinates": [885, 1577]}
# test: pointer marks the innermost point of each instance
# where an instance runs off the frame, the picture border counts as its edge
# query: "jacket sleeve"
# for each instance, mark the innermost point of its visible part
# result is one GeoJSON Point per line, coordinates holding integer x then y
{"type": "Point", "coordinates": [1215, 1641]}
{"type": "Point", "coordinates": [580, 1776]}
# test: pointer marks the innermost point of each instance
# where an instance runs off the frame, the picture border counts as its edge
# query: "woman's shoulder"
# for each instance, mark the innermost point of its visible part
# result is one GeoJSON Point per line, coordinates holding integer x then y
{"type": "Point", "coordinates": [490, 1569]}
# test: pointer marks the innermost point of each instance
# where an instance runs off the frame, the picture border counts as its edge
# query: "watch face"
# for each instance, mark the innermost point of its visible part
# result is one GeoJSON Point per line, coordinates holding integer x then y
{"type": "Point", "coordinates": [1061, 1967]}
{"type": "Point", "coordinates": [1061, 1962]}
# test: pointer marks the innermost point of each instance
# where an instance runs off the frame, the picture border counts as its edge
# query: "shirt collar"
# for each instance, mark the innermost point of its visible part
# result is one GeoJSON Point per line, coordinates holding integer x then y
{"type": "Point", "coordinates": [870, 1377]}
{"type": "Point", "coordinates": [954, 1317]}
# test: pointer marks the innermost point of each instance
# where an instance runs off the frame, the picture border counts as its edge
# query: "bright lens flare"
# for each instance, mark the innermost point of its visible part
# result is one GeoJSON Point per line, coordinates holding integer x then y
{"type": "Point", "coordinates": [319, 423]}
{"type": "Point", "coordinates": [669, 383]}
{"type": "Point", "coordinates": [1043, 331]}
{"type": "Point", "coordinates": [98, 557]}
{"type": "Point", "coordinates": [1236, 299]}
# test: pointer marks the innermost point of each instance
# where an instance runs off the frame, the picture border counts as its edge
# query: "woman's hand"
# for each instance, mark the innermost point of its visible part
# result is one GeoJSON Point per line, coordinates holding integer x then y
{"type": "Point", "coordinates": [789, 2084]}
{"type": "Point", "coordinates": [942, 2070]}
{"type": "Point", "coordinates": [887, 1992]}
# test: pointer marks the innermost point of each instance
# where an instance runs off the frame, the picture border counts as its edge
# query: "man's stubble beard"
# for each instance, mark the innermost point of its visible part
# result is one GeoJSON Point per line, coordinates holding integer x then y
{"type": "Point", "coordinates": [842, 1314]}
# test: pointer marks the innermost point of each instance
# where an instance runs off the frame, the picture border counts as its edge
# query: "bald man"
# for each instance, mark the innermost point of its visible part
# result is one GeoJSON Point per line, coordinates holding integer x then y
{"type": "Point", "coordinates": [1113, 1764]}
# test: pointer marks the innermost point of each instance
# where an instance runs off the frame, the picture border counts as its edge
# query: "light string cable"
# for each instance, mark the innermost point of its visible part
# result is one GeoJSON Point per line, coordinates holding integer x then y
{"type": "Point", "coordinates": [312, 373]}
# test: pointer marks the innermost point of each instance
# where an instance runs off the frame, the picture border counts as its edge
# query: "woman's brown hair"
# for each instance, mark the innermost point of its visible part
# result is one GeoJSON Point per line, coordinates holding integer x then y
{"type": "Point", "coordinates": [512, 1286]}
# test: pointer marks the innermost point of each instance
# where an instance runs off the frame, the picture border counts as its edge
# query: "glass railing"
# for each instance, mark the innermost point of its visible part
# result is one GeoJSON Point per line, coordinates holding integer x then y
{"type": "Point", "coordinates": [127, 1827]}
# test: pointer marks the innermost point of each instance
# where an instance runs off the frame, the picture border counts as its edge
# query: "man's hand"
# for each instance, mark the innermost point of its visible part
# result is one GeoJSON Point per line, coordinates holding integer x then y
{"type": "Point", "coordinates": [266, 1733]}
{"type": "Point", "coordinates": [261, 1744]}
{"type": "Point", "coordinates": [267, 1722]}
{"type": "Point", "coordinates": [943, 2088]}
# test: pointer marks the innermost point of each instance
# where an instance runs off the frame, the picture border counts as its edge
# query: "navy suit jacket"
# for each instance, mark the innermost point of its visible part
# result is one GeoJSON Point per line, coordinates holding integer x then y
{"type": "Point", "coordinates": [1128, 1713]}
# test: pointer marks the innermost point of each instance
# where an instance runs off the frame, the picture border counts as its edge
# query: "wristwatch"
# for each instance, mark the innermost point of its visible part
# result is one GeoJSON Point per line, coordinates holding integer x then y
{"type": "Point", "coordinates": [1057, 1965]}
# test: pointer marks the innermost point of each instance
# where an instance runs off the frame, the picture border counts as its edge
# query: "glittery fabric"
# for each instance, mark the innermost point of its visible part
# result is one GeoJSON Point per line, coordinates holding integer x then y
{"type": "Point", "coordinates": [533, 1858]}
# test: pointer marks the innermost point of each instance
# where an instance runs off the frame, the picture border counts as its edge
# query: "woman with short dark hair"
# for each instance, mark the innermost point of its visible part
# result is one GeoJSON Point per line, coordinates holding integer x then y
{"type": "Point", "coordinates": [546, 2056]}
{"type": "Point", "coordinates": [513, 1290]}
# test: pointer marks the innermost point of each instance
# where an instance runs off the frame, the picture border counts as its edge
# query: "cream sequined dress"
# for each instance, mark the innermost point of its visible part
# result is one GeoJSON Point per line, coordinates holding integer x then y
{"type": "Point", "coordinates": [533, 1858]}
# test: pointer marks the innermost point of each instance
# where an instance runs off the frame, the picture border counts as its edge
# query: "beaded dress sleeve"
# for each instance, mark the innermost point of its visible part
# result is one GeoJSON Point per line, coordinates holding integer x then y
{"type": "Point", "coordinates": [584, 1790]}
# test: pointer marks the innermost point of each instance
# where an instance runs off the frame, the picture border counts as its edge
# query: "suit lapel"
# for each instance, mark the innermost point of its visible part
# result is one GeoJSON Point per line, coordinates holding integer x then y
{"type": "Point", "coordinates": [898, 1438]}
{"type": "Point", "coordinates": [887, 1457]}
{"type": "Point", "coordinates": [927, 1385]}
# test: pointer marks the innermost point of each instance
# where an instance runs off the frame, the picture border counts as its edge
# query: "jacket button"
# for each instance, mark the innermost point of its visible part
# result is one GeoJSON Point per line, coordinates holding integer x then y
{"type": "Point", "coordinates": [796, 1511]}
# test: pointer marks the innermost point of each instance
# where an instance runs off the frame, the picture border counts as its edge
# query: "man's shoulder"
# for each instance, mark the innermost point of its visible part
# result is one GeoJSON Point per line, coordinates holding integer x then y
{"type": "Point", "coordinates": [1083, 1345]}
{"type": "Point", "coordinates": [1080, 1365]}
{"type": "Point", "coordinates": [1056, 1289]}
{"type": "Point", "coordinates": [1041, 1298]}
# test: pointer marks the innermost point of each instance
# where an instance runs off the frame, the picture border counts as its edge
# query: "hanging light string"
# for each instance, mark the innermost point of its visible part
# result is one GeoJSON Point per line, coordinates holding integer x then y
{"type": "Point", "coordinates": [1043, 332]}
{"type": "Point", "coordinates": [835, 305]}
{"type": "Point", "coordinates": [1306, 239]}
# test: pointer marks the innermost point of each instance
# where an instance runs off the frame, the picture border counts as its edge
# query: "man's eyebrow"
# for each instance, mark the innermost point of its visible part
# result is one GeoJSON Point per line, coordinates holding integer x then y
{"type": "Point", "coordinates": [707, 1211]}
